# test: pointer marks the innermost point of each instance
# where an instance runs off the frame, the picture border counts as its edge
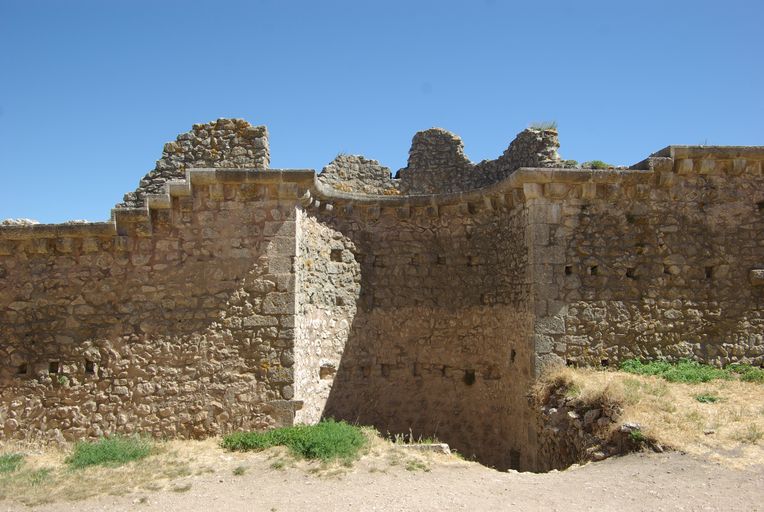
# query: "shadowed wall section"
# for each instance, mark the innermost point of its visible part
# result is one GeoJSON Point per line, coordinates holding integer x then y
{"type": "Point", "coordinates": [439, 345]}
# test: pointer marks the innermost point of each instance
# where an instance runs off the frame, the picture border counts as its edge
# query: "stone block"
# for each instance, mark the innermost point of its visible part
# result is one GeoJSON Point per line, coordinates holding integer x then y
{"type": "Point", "coordinates": [533, 190]}
{"type": "Point", "coordinates": [589, 191]}
{"type": "Point", "coordinates": [756, 277]}
{"type": "Point", "coordinates": [684, 166]}
{"type": "Point", "coordinates": [556, 190]}
{"type": "Point", "coordinates": [550, 325]}
{"type": "Point", "coordinates": [708, 166]}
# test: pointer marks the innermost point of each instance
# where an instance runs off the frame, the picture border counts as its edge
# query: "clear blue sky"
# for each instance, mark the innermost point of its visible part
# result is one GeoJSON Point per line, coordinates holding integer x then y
{"type": "Point", "coordinates": [91, 90]}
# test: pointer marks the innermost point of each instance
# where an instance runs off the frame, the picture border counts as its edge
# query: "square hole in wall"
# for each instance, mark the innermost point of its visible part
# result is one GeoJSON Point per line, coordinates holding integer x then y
{"type": "Point", "coordinates": [327, 371]}
{"type": "Point", "coordinates": [760, 206]}
{"type": "Point", "coordinates": [709, 272]}
{"type": "Point", "coordinates": [514, 459]}
{"type": "Point", "coordinates": [568, 270]}
{"type": "Point", "coordinates": [336, 255]}
{"type": "Point", "coordinates": [593, 270]}
{"type": "Point", "coordinates": [631, 273]}
{"type": "Point", "coordinates": [605, 363]}
{"type": "Point", "coordinates": [339, 301]}
{"type": "Point", "coordinates": [666, 270]}
{"type": "Point", "coordinates": [22, 369]}
{"type": "Point", "coordinates": [89, 367]}
{"type": "Point", "coordinates": [469, 377]}
{"type": "Point", "coordinates": [54, 367]}
{"type": "Point", "coordinates": [441, 260]}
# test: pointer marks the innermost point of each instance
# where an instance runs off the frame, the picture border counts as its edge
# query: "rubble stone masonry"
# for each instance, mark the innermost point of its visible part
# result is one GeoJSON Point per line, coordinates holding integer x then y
{"type": "Point", "coordinates": [223, 295]}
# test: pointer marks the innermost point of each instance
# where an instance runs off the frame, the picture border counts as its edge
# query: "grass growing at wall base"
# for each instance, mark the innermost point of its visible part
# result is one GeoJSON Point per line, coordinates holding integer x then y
{"type": "Point", "coordinates": [327, 440]}
{"type": "Point", "coordinates": [692, 372]}
{"type": "Point", "coordinates": [112, 451]}
{"type": "Point", "coordinates": [10, 462]}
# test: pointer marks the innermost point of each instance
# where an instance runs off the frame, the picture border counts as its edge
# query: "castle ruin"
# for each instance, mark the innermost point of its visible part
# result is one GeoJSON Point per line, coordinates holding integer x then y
{"type": "Point", "coordinates": [225, 295]}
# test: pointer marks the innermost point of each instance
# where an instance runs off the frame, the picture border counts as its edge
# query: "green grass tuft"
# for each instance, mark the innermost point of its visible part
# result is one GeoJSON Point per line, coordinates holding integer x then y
{"type": "Point", "coordinates": [544, 125]}
{"type": "Point", "coordinates": [637, 436]}
{"type": "Point", "coordinates": [327, 440]}
{"type": "Point", "coordinates": [10, 462]}
{"type": "Point", "coordinates": [113, 451]}
{"type": "Point", "coordinates": [692, 372]}
{"type": "Point", "coordinates": [707, 398]}
{"type": "Point", "coordinates": [596, 164]}
{"type": "Point", "coordinates": [747, 372]}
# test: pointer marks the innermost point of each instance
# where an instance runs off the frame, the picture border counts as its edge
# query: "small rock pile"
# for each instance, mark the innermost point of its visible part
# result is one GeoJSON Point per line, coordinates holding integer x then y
{"type": "Point", "coordinates": [574, 431]}
{"type": "Point", "coordinates": [18, 222]}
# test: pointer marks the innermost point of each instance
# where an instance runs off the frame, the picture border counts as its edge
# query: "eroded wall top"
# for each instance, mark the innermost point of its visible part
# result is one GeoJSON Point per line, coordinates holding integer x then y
{"type": "Point", "coordinates": [225, 143]}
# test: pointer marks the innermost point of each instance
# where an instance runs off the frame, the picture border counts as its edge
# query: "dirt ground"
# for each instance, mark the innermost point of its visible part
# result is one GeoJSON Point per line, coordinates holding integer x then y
{"type": "Point", "coordinates": [399, 480]}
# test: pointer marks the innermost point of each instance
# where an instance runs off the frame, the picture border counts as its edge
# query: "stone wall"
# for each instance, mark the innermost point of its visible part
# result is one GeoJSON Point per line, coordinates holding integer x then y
{"type": "Point", "coordinates": [178, 322]}
{"type": "Point", "coordinates": [327, 292]}
{"type": "Point", "coordinates": [245, 298]}
{"type": "Point", "coordinates": [354, 173]}
{"type": "Point", "coordinates": [440, 343]}
{"type": "Point", "coordinates": [653, 264]}
{"type": "Point", "coordinates": [437, 163]}
{"type": "Point", "coordinates": [225, 143]}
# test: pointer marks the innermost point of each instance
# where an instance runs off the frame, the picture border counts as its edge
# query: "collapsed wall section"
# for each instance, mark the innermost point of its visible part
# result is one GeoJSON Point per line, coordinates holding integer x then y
{"type": "Point", "coordinates": [174, 321]}
{"type": "Point", "coordinates": [225, 143]}
{"type": "Point", "coordinates": [440, 342]}
{"type": "Point", "coordinates": [437, 163]}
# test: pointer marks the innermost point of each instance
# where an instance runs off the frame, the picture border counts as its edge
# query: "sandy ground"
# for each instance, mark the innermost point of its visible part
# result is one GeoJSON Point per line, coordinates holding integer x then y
{"type": "Point", "coordinates": [654, 482]}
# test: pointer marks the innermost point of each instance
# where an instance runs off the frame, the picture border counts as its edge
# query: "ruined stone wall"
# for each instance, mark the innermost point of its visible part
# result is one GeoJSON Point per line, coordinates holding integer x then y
{"type": "Point", "coordinates": [440, 343]}
{"type": "Point", "coordinates": [225, 143]}
{"type": "Point", "coordinates": [245, 298]}
{"type": "Point", "coordinates": [328, 285]}
{"type": "Point", "coordinates": [179, 323]}
{"type": "Point", "coordinates": [654, 264]}
{"type": "Point", "coordinates": [437, 163]}
{"type": "Point", "coordinates": [354, 173]}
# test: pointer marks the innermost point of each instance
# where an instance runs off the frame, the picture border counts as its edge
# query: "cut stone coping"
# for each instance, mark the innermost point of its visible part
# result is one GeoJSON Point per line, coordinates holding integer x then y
{"type": "Point", "coordinates": [720, 152]}
{"type": "Point", "coordinates": [530, 183]}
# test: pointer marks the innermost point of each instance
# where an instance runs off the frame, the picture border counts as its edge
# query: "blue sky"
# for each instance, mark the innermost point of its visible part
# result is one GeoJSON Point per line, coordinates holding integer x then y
{"type": "Point", "coordinates": [91, 90]}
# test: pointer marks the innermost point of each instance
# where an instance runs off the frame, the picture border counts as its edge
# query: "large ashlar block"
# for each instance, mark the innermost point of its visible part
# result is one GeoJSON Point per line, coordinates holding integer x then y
{"type": "Point", "coordinates": [556, 190]}
{"type": "Point", "coordinates": [533, 190]}
{"type": "Point", "coordinates": [589, 190]}
{"type": "Point", "coordinates": [707, 166]}
{"type": "Point", "coordinates": [684, 166]}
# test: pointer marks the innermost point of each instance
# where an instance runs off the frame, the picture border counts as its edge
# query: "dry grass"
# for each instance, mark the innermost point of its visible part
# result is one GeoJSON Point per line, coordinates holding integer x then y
{"type": "Point", "coordinates": [729, 429]}
{"type": "Point", "coordinates": [44, 476]}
